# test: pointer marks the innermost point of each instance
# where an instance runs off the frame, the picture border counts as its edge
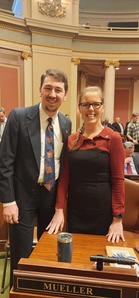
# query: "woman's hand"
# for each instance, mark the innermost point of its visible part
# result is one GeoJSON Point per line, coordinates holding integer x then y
{"type": "Point", "coordinates": [57, 222]}
{"type": "Point", "coordinates": [115, 232]}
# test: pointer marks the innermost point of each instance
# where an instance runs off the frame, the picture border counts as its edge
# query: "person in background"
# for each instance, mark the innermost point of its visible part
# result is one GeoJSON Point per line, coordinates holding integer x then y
{"type": "Point", "coordinates": [118, 126]}
{"type": "Point", "coordinates": [133, 131]}
{"type": "Point", "coordinates": [26, 200]}
{"type": "Point", "coordinates": [93, 175]}
{"type": "Point", "coordinates": [131, 165]}
{"type": "Point", "coordinates": [3, 120]}
{"type": "Point", "coordinates": [107, 123]}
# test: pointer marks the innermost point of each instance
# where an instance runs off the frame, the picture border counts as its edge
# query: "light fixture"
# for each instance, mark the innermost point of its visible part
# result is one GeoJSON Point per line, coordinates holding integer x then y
{"type": "Point", "coordinates": [129, 68]}
{"type": "Point", "coordinates": [52, 8]}
{"type": "Point", "coordinates": [117, 68]}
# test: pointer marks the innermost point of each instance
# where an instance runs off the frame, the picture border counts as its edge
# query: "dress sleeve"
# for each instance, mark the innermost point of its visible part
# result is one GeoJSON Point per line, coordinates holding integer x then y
{"type": "Point", "coordinates": [63, 182]}
{"type": "Point", "coordinates": [117, 156]}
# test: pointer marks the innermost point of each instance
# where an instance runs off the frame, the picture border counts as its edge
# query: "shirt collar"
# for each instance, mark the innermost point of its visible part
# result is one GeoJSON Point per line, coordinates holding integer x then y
{"type": "Point", "coordinates": [44, 116]}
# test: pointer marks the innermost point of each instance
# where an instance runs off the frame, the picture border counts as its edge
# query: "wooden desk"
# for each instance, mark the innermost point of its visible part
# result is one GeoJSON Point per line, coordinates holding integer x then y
{"type": "Point", "coordinates": [83, 246]}
{"type": "Point", "coordinates": [132, 177]}
{"type": "Point", "coordinates": [43, 260]}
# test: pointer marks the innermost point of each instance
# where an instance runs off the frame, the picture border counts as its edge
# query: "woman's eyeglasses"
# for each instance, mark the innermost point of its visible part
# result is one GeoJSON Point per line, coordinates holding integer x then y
{"type": "Point", "coordinates": [87, 105]}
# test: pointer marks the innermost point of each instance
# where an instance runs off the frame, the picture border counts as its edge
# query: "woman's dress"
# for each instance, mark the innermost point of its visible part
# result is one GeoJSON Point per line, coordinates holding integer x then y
{"type": "Point", "coordinates": [89, 194]}
{"type": "Point", "coordinates": [93, 181]}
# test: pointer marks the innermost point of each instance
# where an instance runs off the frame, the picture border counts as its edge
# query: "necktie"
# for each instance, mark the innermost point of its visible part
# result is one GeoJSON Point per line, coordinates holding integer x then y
{"type": "Point", "coordinates": [129, 170]}
{"type": "Point", "coordinates": [49, 173]}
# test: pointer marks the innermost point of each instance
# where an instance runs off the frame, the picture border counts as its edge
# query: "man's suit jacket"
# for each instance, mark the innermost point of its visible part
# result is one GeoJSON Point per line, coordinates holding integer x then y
{"type": "Point", "coordinates": [109, 125]}
{"type": "Point", "coordinates": [136, 161]}
{"type": "Point", "coordinates": [117, 127]}
{"type": "Point", "coordinates": [20, 153]}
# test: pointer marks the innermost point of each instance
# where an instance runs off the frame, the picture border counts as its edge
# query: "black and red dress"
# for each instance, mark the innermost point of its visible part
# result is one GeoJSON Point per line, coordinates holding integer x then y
{"type": "Point", "coordinates": [93, 182]}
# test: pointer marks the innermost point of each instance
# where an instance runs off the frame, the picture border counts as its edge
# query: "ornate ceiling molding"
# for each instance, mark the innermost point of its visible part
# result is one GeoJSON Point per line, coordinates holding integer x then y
{"type": "Point", "coordinates": [115, 63]}
{"type": "Point", "coordinates": [26, 55]}
{"type": "Point", "coordinates": [76, 61]}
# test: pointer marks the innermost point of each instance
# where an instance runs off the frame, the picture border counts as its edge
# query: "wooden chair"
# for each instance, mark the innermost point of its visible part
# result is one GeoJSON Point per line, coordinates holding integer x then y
{"type": "Point", "coordinates": [7, 255]}
{"type": "Point", "coordinates": [131, 215]}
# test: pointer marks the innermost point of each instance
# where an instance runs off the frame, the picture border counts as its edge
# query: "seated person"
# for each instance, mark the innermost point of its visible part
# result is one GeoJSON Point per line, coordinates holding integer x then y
{"type": "Point", "coordinates": [131, 159]}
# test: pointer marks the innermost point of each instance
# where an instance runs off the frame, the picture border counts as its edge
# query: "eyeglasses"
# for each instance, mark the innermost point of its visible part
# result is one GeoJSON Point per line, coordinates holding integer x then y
{"type": "Point", "coordinates": [87, 105]}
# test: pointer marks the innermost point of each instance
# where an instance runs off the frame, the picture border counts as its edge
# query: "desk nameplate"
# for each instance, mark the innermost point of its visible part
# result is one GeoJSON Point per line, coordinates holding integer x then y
{"type": "Point", "coordinates": [64, 286]}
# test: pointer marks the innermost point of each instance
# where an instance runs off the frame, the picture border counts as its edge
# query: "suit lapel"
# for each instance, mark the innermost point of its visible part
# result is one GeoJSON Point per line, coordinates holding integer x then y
{"type": "Point", "coordinates": [64, 127]}
{"type": "Point", "coordinates": [33, 127]}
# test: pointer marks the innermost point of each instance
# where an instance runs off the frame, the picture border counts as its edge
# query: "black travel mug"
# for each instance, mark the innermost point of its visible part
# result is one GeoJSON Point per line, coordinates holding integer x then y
{"type": "Point", "coordinates": [64, 247]}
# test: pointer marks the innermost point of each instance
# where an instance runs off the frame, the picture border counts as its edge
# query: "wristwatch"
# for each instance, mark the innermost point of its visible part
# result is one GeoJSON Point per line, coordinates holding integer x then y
{"type": "Point", "coordinates": [119, 216]}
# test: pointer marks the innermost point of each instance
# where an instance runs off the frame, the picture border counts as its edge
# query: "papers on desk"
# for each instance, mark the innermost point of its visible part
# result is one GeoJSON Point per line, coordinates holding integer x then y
{"type": "Point", "coordinates": [121, 252]}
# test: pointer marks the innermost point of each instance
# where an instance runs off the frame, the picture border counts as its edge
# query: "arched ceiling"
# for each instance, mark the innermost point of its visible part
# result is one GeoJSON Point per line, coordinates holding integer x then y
{"type": "Point", "coordinates": [94, 67]}
{"type": "Point", "coordinates": [109, 5]}
{"type": "Point", "coordinates": [99, 5]}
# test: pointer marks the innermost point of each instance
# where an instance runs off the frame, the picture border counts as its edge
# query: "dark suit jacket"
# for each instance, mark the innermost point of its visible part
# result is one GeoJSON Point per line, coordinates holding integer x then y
{"type": "Point", "coordinates": [108, 124]}
{"type": "Point", "coordinates": [117, 127]}
{"type": "Point", "coordinates": [125, 130]}
{"type": "Point", "coordinates": [20, 153]}
{"type": "Point", "coordinates": [136, 160]}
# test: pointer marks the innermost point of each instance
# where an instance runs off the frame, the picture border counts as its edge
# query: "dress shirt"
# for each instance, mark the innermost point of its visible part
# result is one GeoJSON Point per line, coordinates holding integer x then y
{"type": "Point", "coordinates": [57, 143]}
{"type": "Point", "coordinates": [134, 172]}
{"type": "Point", "coordinates": [121, 127]}
{"type": "Point", "coordinates": [133, 130]}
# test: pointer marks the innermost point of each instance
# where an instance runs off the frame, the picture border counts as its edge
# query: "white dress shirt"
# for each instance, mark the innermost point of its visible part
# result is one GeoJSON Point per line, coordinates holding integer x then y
{"type": "Point", "coordinates": [58, 145]}
{"type": "Point", "coordinates": [134, 172]}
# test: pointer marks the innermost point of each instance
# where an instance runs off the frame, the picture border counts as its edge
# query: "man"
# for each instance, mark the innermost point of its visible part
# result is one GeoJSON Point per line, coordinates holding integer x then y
{"type": "Point", "coordinates": [3, 120]}
{"type": "Point", "coordinates": [131, 166]}
{"type": "Point", "coordinates": [107, 123]}
{"type": "Point", "coordinates": [22, 164]}
{"type": "Point", "coordinates": [118, 126]}
{"type": "Point", "coordinates": [133, 130]}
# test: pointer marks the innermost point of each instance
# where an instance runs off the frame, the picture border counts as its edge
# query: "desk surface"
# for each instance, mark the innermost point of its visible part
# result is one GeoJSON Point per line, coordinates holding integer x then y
{"type": "Point", "coordinates": [42, 263]}
{"type": "Point", "coordinates": [83, 246]}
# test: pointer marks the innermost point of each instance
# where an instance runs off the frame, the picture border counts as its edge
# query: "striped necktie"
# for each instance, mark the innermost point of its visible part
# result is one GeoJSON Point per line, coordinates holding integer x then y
{"type": "Point", "coordinates": [49, 173]}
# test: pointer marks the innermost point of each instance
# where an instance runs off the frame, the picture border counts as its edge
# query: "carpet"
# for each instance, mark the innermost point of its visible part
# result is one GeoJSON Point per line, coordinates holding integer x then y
{"type": "Point", "coordinates": [7, 278]}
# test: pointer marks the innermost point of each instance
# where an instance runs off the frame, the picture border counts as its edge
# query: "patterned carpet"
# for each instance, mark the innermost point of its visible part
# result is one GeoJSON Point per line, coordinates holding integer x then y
{"type": "Point", "coordinates": [6, 286]}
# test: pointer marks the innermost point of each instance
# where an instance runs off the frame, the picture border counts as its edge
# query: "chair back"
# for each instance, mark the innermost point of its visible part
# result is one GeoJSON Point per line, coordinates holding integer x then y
{"type": "Point", "coordinates": [131, 215]}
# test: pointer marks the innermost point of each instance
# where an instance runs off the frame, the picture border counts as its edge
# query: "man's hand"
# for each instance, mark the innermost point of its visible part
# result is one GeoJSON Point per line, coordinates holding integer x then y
{"type": "Point", "coordinates": [128, 159]}
{"type": "Point", "coordinates": [10, 214]}
{"type": "Point", "coordinates": [56, 223]}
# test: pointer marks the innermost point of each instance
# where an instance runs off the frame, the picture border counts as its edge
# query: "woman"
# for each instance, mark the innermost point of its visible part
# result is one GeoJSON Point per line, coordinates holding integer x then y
{"type": "Point", "coordinates": [93, 175]}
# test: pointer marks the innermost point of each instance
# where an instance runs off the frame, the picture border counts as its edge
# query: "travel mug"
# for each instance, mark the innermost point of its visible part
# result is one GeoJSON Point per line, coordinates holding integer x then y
{"type": "Point", "coordinates": [64, 247]}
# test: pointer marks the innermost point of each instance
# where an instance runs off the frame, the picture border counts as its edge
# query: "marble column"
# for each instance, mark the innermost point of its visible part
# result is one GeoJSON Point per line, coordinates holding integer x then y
{"type": "Point", "coordinates": [84, 77]}
{"type": "Point", "coordinates": [73, 108]}
{"type": "Point", "coordinates": [109, 88]}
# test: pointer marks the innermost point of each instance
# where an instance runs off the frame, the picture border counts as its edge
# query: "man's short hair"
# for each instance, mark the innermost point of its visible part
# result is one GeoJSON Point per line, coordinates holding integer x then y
{"type": "Point", "coordinates": [128, 145]}
{"type": "Point", "coordinates": [58, 75]}
{"type": "Point", "coordinates": [2, 110]}
{"type": "Point", "coordinates": [135, 114]}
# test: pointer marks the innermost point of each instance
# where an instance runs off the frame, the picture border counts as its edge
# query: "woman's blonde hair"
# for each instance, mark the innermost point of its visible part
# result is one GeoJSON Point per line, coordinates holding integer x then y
{"type": "Point", "coordinates": [92, 89]}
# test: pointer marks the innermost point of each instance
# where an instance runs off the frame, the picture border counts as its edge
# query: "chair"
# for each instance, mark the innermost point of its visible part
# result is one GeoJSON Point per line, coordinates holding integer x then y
{"type": "Point", "coordinates": [7, 251]}
{"type": "Point", "coordinates": [131, 215]}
